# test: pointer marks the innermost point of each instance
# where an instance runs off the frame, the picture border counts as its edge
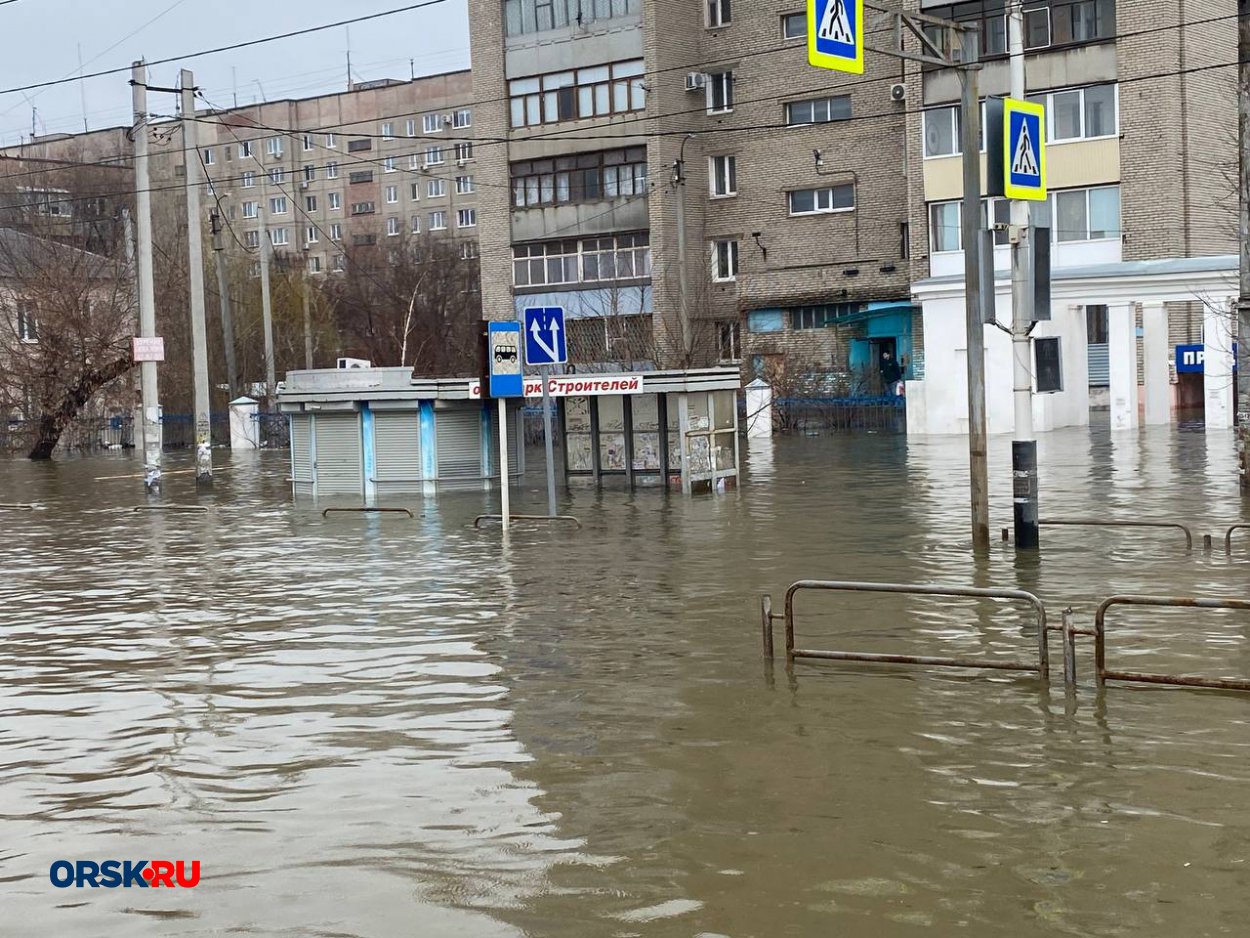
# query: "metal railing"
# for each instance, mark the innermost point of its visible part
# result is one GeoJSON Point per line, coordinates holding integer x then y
{"type": "Point", "coordinates": [1097, 523]}
{"type": "Point", "coordinates": [1228, 536]}
{"type": "Point", "coordinates": [1041, 667]}
{"type": "Point", "coordinates": [17, 507]}
{"type": "Point", "coordinates": [169, 508]}
{"type": "Point", "coordinates": [477, 522]}
{"type": "Point", "coordinates": [841, 414]}
{"type": "Point", "coordinates": [1105, 674]}
{"type": "Point", "coordinates": [371, 509]}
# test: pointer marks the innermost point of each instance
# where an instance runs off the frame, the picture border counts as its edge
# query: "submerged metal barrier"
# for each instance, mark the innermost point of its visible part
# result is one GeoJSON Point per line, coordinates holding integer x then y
{"type": "Point", "coordinates": [1041, 667]}
{"type": "Point", "coordinates": [1228, 536]}
{"type": "Point", "coordinates": [16, 507]}
{"type": "Point", "coordinates": [406, 511]}
{"type": "Point", "coordinates": [477, 522]}
{"type": "Point", "coordinates": [169, 508]}
{"type": "Point", "coordinates": [1105, 674]}
{"type": "Point", "coordinates": [1095, 523]}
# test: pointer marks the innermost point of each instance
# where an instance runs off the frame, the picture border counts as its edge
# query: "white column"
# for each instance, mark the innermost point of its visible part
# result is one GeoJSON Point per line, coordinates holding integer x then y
{"type": "Point", "coordinates": [1122, 355]}
{"type": "Point", "coordinates": [1217, 365]}
{"type": "Point", "coordinates": [1155, 363]}
{"type": "Point", "coordinates": [759, 396]}
{"type": "Point", "coordinates": [244, 428]}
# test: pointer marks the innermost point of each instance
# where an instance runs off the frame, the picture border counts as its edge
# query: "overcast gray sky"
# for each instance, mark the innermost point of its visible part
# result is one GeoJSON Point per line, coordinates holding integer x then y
{"type": "Point", "coordinates": [41, 41]}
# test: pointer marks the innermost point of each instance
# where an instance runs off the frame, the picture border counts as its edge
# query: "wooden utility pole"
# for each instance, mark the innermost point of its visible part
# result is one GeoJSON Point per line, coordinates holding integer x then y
{"type": "Point", "coordinates": [1243, 219]}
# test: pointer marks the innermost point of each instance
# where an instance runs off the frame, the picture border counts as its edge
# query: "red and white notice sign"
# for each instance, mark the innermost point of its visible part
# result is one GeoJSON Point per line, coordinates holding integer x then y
{"type": "Point", "coordinates": [149, 348]}
{"type": "Point", "coordinates": [575, 386]}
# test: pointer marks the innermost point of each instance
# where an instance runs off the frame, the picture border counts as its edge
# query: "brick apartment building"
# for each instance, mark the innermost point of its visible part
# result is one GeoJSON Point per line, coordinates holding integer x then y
{"type": "Point", "coordinates": [615, 112]}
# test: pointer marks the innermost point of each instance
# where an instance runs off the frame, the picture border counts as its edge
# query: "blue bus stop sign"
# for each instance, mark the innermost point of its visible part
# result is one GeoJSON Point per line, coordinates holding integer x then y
{"type": "Point", "coordinates": [504, 353]}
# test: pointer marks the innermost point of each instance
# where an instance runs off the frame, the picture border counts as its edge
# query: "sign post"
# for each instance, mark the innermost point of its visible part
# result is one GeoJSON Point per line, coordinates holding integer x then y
{"type": "Point", "coordinates": [545, 346]}
{"type": "Point", "coordinates": [503, 352]}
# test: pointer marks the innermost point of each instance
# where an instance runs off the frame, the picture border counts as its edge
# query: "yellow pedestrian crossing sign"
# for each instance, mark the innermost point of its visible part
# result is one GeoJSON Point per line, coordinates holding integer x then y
{"type": "Point", "coordinates": [1024, 150]}
{"type": "Point", "coordinates": [835, 35]}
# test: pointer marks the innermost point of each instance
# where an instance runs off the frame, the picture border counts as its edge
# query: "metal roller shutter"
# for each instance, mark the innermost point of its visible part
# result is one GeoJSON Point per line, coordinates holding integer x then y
{"type": "Point", "coordinates": [301, 454]}
{"type": "Point", "coordinates": [338, 455]}
{"type": "Point", "coordinates": [459, 434]}
{"type": "Point", "coordinates": [1099, 366]}
{"type": "Point", "coordinates": [397, 451]}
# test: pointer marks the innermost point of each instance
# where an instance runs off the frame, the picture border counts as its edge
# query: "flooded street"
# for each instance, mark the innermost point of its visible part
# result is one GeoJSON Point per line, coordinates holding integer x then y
{"type": "Point", "coordinates": [375, 726]}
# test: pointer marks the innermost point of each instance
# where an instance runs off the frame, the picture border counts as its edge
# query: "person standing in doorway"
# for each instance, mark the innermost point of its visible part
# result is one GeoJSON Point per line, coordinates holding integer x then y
{"type": "Point", "coordinates": [891, 374]}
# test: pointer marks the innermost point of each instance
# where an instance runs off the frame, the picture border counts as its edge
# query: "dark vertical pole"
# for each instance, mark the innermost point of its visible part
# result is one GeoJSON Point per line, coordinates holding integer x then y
{"type": "Point", "coordinates": [627, 411]}
{"type": "Point", "coordinates": [661, 410]}
{"type": "Point", "coordinates": [596, 470]}
{"type": "Point", "coordinates": [564, 438]}
{"type": "Point", "coordinates": [1243, 218]}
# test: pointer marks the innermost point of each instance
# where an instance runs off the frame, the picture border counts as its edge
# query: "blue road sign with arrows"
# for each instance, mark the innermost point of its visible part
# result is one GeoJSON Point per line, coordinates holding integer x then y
{"type": "Point", "coordinates": [544, 336]}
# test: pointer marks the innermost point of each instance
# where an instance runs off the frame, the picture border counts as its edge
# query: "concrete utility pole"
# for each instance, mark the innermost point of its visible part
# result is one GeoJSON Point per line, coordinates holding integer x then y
{"type": "Point", "coordinates": [266, 304]}
{"type": "Point", "coordinates": [1024, 445]}
{"type": "Point", "coordinates": [679, 189]}
{"type": "Point", "coordinates": [978, 460]}
{"type": "Point", "coordinates": [1243, 217]}
{"type": "Point", "coordinates": [308, 342]}
{"type": "Point", "coordinates": [194, 178]}
{"type": "Point", "coordinates": [227, 316]}
{"type": "Point", "coordinates": [147, 288]}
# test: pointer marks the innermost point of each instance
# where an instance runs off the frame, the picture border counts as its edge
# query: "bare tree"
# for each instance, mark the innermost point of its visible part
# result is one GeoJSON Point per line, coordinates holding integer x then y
{"type": "Point", "coordinates": [66, 317]}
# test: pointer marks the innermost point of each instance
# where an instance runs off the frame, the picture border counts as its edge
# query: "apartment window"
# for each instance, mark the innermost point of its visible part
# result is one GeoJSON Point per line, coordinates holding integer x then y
{"type": "Point", "coordinates": [794, 26]}
{"type": "Point", "coordinates": [818, 110]}
{"type": "Point", "coordinates": [332, 170]}
{"type": "Point", "coordinates": [839, 198]}
{"type": "Point", "coordinates": [249, 209]}
{"type": "Point", "coordinates": [438, 221]}
{"type": "Point", "coordinates": [723, 175]}
{"type": "Point", "coordinates": [314, 263]}
{"type": "Point", "coordinates": [462, 118]}
{"type": "Point", "coordinates": [209, 157]}
{"type": "Point", "coordinates": [279, 236]}
{"type": "Point", "coordinates": [310, 172]}
{"type": "Point", "coordinates": [586, 177]}
{"type": "Point", "coordinates": [277, 205]}
{"type": "Point", "coordinates": [359, 146]}
{"type": "Point", "coordinates": [434, 156]}
{"type": "Point", "coordinates": [410, 127]}
{"type": "Point", "coordinates": [431, 123]}
{"type": "Point", "coordinates": [945, 233]}
{"type": "Point", "coordinates": [466, 218]}
{"type": "Point", "coordinates": [1082, 21]}
{"type": "Point", "coordinates": [1087, 214]}
{"type": "Point", "coordinates": [273, 146]}
{"type": "Point", "coordinates": [720, 92]}
{"type": "Point", "coordinates": [598, 91]}
{"type": "Point", "coordinates": [364, 240]}
{"type": "Point", "coordinates": [590, 260]}
{"type": "Point", "coordinates": [1048, 365]}
{"type": "Point", "coordinates": [340, 262]}
{"type": "Point", "coordinates": [251, 239]}
{"type": "Point", "coordinates": [416, 224]}
{"type": "Point", "coordinates": [724, 260]}
{"type": "Point", "coordinates": [391, 194]}
{"type": "Point", "coordinates": [332, 141]}
{"type": "Point", "coordinates": [1080, 113]}
{"type": "Point", "coordinates": [247, 180]}
{"type": "Point", "coordinates": [310, 203]}
{"type": "Point", "coordinates": [393, 227]}
{"type": "Point", "coordinates": [388, 165]}
{"type": "Point", "coordinates": [1037, 28]}
{"type": "Point", "coordinates": [336, 232]}
{"type": "Point", "coordinates": [277, 176]}
{"type": "Point", "coordinates": [730, 341]}
{"type": "Point", "coordinates": [468, 250]}
{"type": "Point", "coordinates": [311, 234]}
{"type": "Point", "coordinates": [464, 151]}
{"type": "Point", "coordinates": [941, 132]}
{"type": "Point", "coordinates": [363, 208]}
{"type": "Point", "coordinates": [414, 160]}
{"type": "Point", "coordinates": [245, 149]}
{"type": "Point", "coordinates": [719, 12]}
{"type": "Point", "coordinates": [363, 176]}
{"type": "Point", "coordinates": [531, 16]}
{"type": "Point", "coordinates": [436, 187]}
{"type": "Point", "coordinates": [994, 34]}
{"type": "Point", "coordinates": [334, 200]}
{"type": "Point", "coordinates": [388, 130]}
{"type": "Point", "coordinates": [308, 142]}
{"type": "Point", "coordinates": [464, 185]}
{"type": "Point", "coordinates": [414, 191]}
{"type": "Point", "coordinates": [27, 326]}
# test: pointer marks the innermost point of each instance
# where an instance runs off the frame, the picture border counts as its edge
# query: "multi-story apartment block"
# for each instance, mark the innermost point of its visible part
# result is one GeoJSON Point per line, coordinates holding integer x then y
{"type": "Point", "coordinates": [1140, 121]}
{"type": "Point", "coordinates": [689, 189]}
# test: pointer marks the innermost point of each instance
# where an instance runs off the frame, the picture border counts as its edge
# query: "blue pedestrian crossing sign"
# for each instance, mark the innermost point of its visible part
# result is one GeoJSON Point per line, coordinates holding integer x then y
{"type": "Point", "coordinates": [835, 35]}
{"type": "Point", "coordinates": [545, 343]}
{"type": "Point", "coordinates": [1024, 150]}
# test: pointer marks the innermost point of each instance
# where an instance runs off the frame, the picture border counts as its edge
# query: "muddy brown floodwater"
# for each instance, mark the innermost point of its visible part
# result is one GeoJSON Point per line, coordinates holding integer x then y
{"type": "Point", "coordinates": [371, 726]}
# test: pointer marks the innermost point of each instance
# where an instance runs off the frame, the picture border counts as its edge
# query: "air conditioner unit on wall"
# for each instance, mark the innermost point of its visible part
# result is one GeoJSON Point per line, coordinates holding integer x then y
{"type": "Point", "coordinates": [695, 81]}
{"type": "Point", "coordinates": [898, 92]}
{"type": "Point", "coordinates": [346, 363]}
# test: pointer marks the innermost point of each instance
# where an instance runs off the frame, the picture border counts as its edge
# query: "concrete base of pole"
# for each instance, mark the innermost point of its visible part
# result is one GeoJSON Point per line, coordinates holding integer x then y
{"type": "Point", "coordinates": [1024, 493]}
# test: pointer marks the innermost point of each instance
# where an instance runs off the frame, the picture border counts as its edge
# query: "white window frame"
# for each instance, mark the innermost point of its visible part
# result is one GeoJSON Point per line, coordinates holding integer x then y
{"type": "Point", "coordinates": [464, 185]}
{"type": "Point", "coordinates": [250, 209]}
{"type": "Point", "coordinates": [818, 210]}
{"type": "Point", "coordinates": [332, 141]}
{"type": "Point", "coordinates": [464, 151]}
{"type": "Point", "coordinates": [802, 18]}
{"type": "Point", "coordinates": [726, 81]}
{"type": "Point", "coordinates": [245, 149]}
{"type": "Point", "coordinates": [466, 218]}
{"type": "Point", "coordinates": [388, 130]}
{"type": "Point", "coordinates": [729, 174]}
{"type": "Point", "coordinates": [410, 127]}
{"type": "Point", "coordinates": [251, 239]}
{"type": "Point", "coordinates": [438, 220]}
{"type": "Point", "coordinates": [27, 323]}
{"type": "Point", "coordinates": [310, 203]}
{"type": "Point", "coordinates": [462, 118]}
{"type": "Point", "coordinates": [209, 156]}
{"type": "Point", "coordinates": [388, 164]}
{"type": "Point", "coordinates": [336, 231]}
{"type": "Point", "coordinates": [414, 192]}
{"type": "Point", "coordinates": [277, 205]}
{"type": "Point", "coordinates": [951, 111]}
{"type": "Point", "coordinates": [434, 157]}
{"type": "Point", "coordinates": [279, 237]}
{"type": "Point", "coordinates": [432, 123]}
{"type": "Point", "coordinates": [310, 172]}
{"type": "Point", "coordinates": [310, 234]}
{"type": "Point", "coordinates": [393, 227]}
{"type": "Point", "coordinates": [277, 175]}
{"type": "Point", "coordinates": [415, 224]}
{"type": "Point", "coordinates": [273, 146]}
{"type": "Point", "coordinates": [247, 180]}
{"type": "Point", "coordinates": [309, 144]}
{"type": "Point", "coordinates": [332, 170]}
{"type": "Point", "coordinates": [436, 188]}
{"type": "Point", "coordinates": [725, 249]}
{"type": "Point", "coordinates": [390, 195]}
{"type": "Point", "coordinates": [719, 13]}
{"type": "Point", "coordinates": [1048, 99]}
{"type": "Point", "coordinates": [334, 201]}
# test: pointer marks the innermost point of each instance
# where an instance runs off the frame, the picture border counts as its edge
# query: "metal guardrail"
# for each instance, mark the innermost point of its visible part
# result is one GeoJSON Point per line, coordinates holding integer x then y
{"type": "Point", "coordinates": [1228, 536]}
{"type": "Point", "coordinates": [17, 507]}
{"type": "Point", "coordinates": [367, 508]}
{"type": "Point", "coordinates": [477, 522]}
{"type": "Point", "coordinates": [1094, 523]}
{"type": "Point", "coordinates": [1041, 667]}
{"type": "Point", "coordinates": [169, 508]}
{"type": "Point", "coordinates": [1105, 674]}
